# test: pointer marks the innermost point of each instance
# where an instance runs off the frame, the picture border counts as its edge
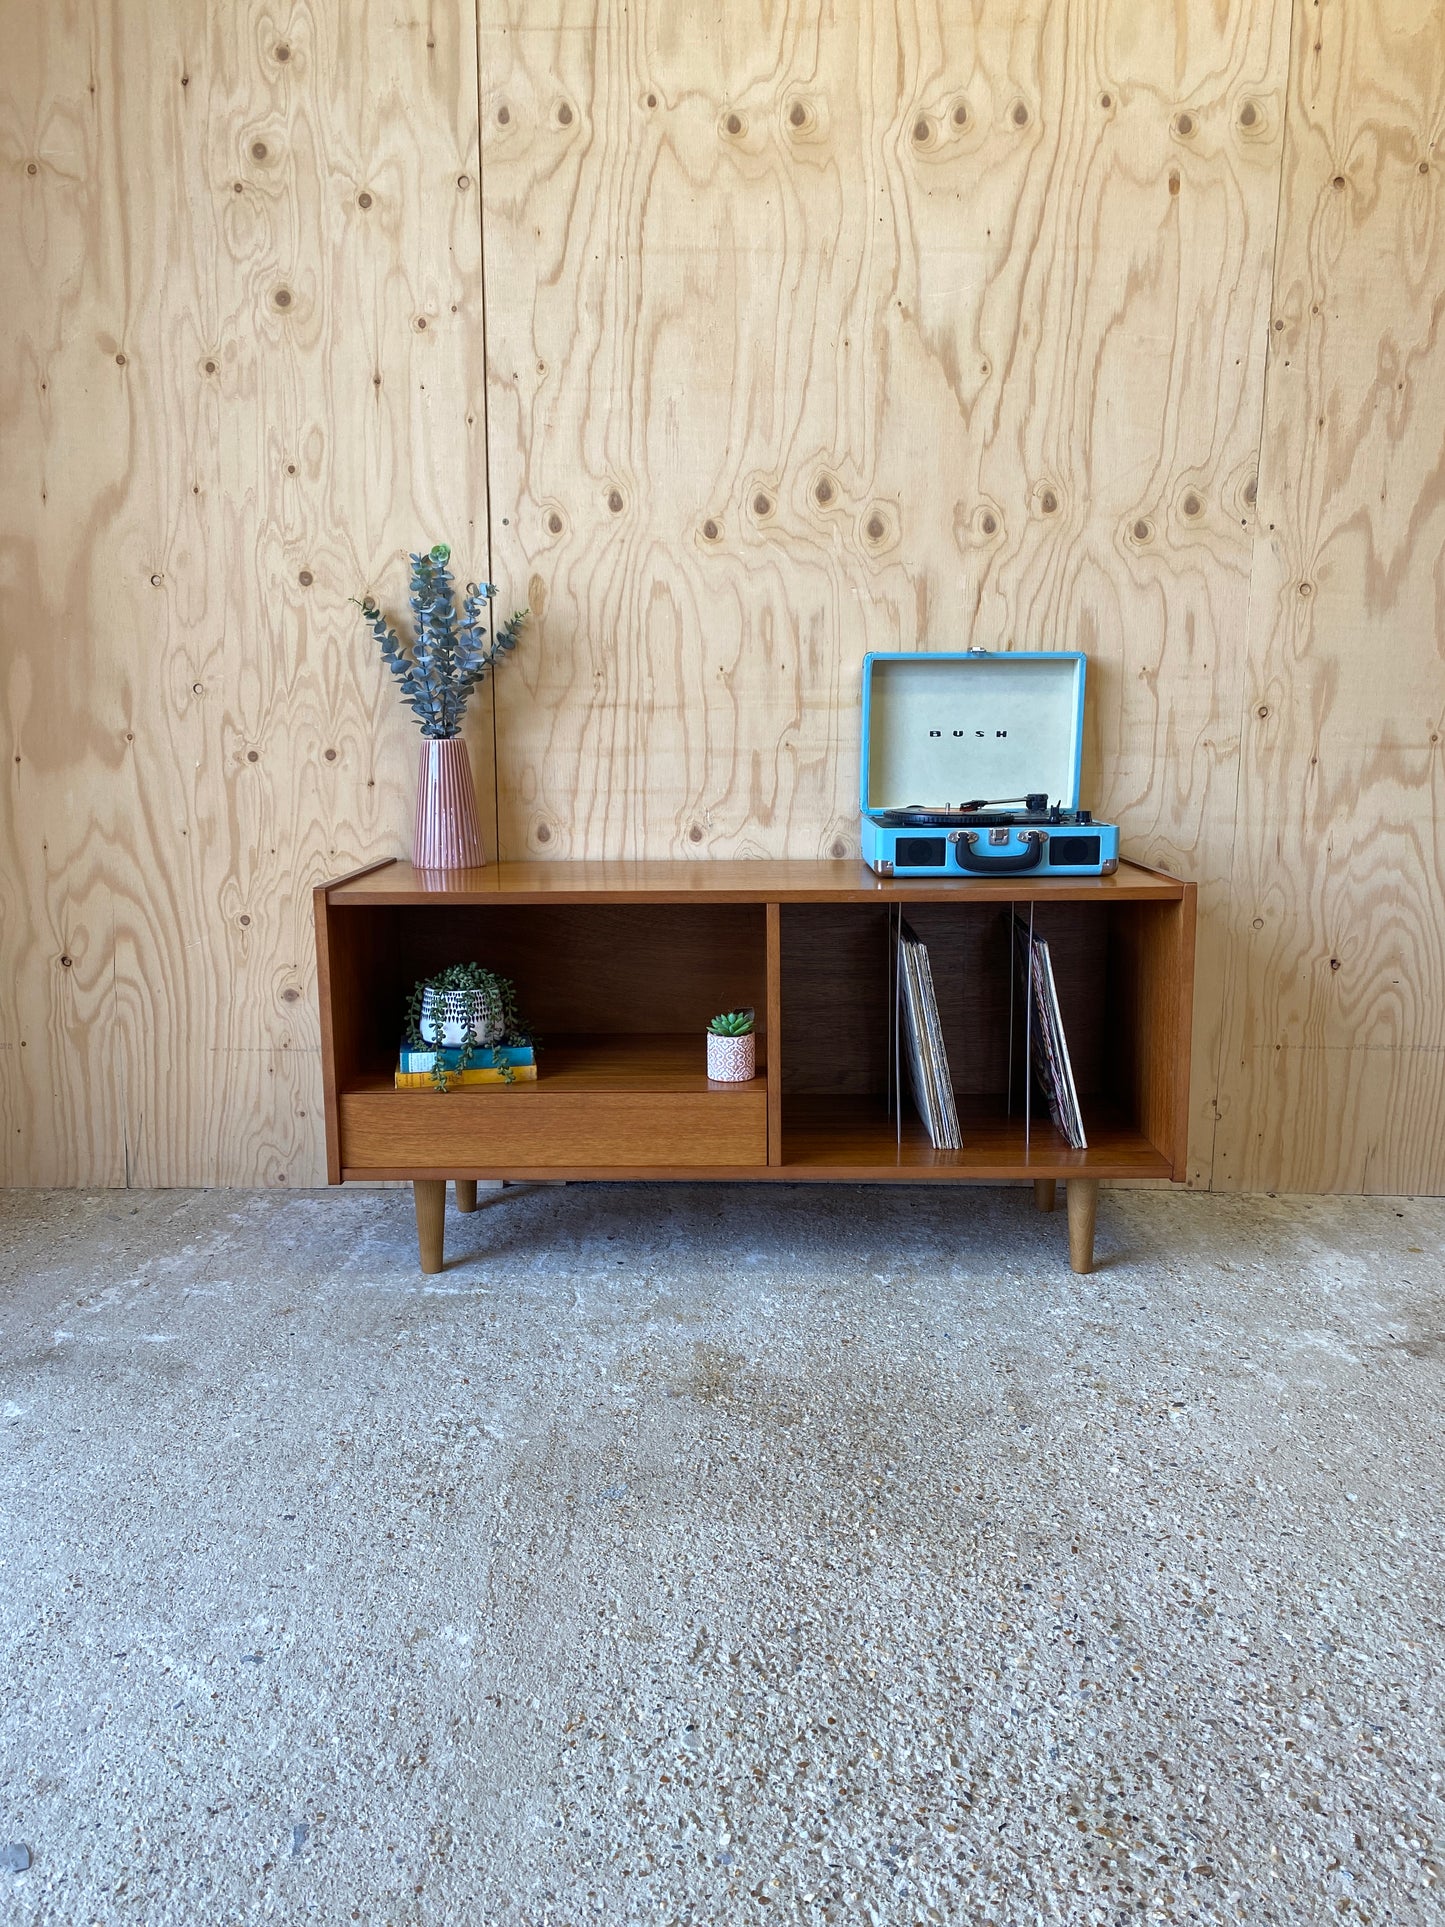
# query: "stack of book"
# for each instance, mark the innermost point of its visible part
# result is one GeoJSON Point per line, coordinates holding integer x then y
{"type": "Point", "coordinates": [489, 1064]}
{"type": "Point", "coordinates": [1049, 1045]}
{"type": "Point", "coordinates": [927, 1059]}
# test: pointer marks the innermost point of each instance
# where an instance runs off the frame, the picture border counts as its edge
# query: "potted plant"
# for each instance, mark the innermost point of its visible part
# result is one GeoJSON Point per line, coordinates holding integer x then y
{"type": "Point", "coordinates": [437, 673]}
{"type": "Point", "coordinates": [463, 1008]}
{"type": "Point", "coordinates": [732, 1047]}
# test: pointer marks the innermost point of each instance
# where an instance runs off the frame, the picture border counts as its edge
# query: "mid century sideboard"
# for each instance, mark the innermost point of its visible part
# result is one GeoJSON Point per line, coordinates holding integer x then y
{"type": "Point", "coordinates": [619, 966]}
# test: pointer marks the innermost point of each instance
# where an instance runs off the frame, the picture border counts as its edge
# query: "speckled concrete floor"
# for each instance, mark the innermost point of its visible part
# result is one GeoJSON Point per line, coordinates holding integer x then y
{"type": "Point", "coordinates": [720, 1556]}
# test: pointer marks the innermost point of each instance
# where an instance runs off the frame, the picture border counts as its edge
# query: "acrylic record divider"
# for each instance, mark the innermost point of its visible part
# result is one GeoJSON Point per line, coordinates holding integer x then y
{"type": "Point", "coordinates": [1020, 937]}
{"type": "Point", "coordinates": [1047, 1062]}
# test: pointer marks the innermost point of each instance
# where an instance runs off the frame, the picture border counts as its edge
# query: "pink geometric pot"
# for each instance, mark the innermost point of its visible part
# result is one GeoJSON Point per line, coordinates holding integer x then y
{"type": "Point", "coordinates": [447, 836]}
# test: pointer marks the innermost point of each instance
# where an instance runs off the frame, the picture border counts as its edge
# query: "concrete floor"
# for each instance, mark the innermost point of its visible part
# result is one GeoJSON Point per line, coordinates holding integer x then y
{"type": "Point", "coordinates": [720, 1555]}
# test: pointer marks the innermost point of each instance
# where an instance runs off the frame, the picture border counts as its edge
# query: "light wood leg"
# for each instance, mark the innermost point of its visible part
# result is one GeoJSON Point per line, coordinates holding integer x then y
{"type": "Point", "coordinates": [466, 1190]}
{"type": "Point", "coordinates": [1083, 1200]}
{"type": "Point", "coordinates": [1044, 1193]}
{"type": "Point", "coordinates": [431, 1217]}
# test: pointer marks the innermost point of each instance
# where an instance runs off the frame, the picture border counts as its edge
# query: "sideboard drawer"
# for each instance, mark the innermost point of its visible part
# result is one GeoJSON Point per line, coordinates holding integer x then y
{"type": "Point", "coordinates": [531, 1128]}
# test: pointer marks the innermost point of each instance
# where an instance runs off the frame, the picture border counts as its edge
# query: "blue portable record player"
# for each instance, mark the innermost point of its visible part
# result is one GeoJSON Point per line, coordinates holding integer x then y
{"type": "Point", "coordinates": [971, 767]}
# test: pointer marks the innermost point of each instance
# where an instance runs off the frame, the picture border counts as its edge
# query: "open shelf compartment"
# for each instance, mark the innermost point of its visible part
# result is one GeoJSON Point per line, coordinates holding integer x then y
{"type": "Point", "coordinates": [618, 996]}
{"type": "Point", "coordinates": [1114, 977]}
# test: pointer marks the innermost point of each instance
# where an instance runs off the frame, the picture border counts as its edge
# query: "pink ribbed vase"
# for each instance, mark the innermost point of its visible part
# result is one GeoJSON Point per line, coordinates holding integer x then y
{"type": "Point", "coordinates": [447, 835]}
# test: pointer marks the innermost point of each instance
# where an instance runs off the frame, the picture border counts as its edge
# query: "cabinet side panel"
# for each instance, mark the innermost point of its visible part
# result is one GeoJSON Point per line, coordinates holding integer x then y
{"type": "Point", "coordinates": [1151, 977]}
{"type": "Point", "coordinates": [321, 911]}
{"type": "Point", "coordinates": [1187, 918]}
{"type": "Point", "coordinates": [775, 1033]}
{"type": "Point", "coordinates": [355, 960]}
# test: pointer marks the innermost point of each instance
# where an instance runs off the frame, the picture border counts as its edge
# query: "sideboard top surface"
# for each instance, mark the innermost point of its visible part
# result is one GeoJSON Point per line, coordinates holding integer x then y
{"type": "Point", "coordinates": [757, 881]}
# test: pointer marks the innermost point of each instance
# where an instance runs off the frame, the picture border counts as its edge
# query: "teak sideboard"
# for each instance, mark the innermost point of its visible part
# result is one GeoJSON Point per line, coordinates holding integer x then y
{"type": "Point", "coordinates": [619, 966]}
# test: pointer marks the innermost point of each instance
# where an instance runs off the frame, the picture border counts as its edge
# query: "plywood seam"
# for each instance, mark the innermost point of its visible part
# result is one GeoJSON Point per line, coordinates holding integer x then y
{"type": "Point", "coordinates": [486, 387]}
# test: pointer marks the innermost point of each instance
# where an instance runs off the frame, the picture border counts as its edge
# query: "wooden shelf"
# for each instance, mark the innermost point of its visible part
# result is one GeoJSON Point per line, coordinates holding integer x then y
{"type": "Point", "coordinates": [732, 882]}
{"type": "Point", "coordinates": [624, 1061]}
{"type": "Point", "coordinates": [854, 1137]}
{"type": "Point", "coordinates": [620, 1100]}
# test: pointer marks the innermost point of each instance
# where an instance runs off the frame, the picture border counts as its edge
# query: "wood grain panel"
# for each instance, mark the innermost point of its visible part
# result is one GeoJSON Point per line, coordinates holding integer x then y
{"type": "Point", "coordinates": [531, 1127]}
{"type": "Point", "coordinates": [1151, 993]}
{"type": "Point", "coordinates": [750, 881]}
{"type": "Point", "coordinates": [773, 1024]}
{"type": "Point", "coordinates": [807, 331]}
{"type": "Point", "coordinates": [1335, 1040]}
{"type": "Point", "coordinates": [846, 1137]}
{"type": "Point", "coordinates": [68, 348]}
{"type": "Point", "coordinates": [811, 332]}
{"type": "Point", "coordinates": [244, 375]}
{"type": "Point", "coordinates": [1336, 1120]}
{"type": "Point", "coordinates": [348, 965]}
{"type": "Point", "coordinates": [350, 372]}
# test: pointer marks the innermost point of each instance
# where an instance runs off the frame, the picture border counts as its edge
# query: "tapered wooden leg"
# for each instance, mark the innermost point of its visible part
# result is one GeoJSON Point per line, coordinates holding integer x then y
{"type": "Point", "coordinates": [1044, 1190]}
{"type": "Point", "coordinates": [431, 1217]}
{"type": "Point", "coordinates": [466, 1189]}
{"type": "Point", "coordinates": [1083, 1202]}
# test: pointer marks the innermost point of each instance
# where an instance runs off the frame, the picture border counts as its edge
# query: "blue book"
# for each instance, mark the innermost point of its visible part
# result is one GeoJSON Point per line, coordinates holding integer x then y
{"type": "Point", "coordinates": [484, 1057]}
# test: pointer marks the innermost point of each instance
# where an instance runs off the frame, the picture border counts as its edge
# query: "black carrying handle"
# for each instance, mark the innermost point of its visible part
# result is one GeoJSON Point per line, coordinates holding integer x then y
{"type": "Point", "coordinates": [999, 866]}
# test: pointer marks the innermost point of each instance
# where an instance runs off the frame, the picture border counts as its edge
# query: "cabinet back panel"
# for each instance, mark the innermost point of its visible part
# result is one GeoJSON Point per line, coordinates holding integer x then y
{"type": "Point", "coordinates": [602, 968]}
{"type": "Point", "coordinates": [837, 1032]}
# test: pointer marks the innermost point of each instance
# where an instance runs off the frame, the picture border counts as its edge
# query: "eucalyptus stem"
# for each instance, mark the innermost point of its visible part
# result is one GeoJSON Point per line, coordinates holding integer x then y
{"type": "Point", "coordinates": [446, 658]}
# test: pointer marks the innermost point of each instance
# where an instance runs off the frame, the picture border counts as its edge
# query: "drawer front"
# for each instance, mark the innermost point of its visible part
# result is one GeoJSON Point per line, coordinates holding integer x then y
{"type": "Point", "coordinates": [531, 1129]}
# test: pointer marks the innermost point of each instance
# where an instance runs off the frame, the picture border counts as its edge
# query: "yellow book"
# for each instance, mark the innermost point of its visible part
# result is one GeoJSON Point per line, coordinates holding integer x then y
{"type": "Point", "coordinates": [424, 1081]}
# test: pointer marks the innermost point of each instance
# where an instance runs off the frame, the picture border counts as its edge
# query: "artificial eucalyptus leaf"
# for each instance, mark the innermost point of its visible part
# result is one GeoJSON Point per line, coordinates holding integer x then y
{"type": "Point", "coordinates": [449, 653]}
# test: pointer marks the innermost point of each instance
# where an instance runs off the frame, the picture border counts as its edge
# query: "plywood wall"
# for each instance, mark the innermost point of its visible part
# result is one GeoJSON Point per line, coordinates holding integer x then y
{"type": "Point", "coordinates": [818, 331]}
{"type": "Point", "coordinates": [1333, 1073]}
{"type": "Point", "coordinates": [242, 372]}
{"type": "Point", "coordinates": [803, 329]}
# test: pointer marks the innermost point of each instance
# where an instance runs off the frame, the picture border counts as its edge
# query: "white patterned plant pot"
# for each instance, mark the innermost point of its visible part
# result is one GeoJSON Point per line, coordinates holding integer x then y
{"type": "Point", "coordinates": [732, 1060]}
{"type": "Point", "coordinates": [448, 1016]}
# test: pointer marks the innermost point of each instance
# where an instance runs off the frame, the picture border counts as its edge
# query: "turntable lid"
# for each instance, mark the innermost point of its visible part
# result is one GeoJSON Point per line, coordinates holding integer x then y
{"type": "Point", "coordinates": [941, 728]}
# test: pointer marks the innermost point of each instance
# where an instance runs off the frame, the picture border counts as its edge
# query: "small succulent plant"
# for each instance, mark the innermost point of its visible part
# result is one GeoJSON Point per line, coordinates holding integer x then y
{"type": "Point", "coordinates": [464, 994]}
{"type": "Point", "coordinates": [447, 658]}
{"type": "Point", "coordinates": [732, 1023]}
